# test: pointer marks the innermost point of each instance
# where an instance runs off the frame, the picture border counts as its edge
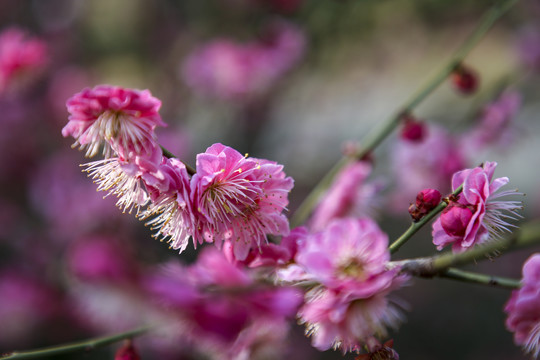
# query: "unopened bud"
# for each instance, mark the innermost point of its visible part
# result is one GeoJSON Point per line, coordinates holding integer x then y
{"type": "Point", "coordinates": [426, 200]}
{"type": "Point", "coordinates": [127, 352]}
{"type": "Point", "coordinates": [465, 80]}
{"type": "Point", "coordinates": [413, 129]}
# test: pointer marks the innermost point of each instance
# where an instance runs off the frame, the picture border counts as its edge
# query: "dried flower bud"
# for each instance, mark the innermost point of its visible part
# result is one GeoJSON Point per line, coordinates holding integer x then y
{"type": "Point", "coordinates": [127, 352]}
{"type": "Point", "coordinates": [426, 200]}
{"type": "Point", "coordinates": [413, 129]}
{"type": "Point", "coordinates": [380, 352]}
{"type": "Point", "coordinates": [465, 80]}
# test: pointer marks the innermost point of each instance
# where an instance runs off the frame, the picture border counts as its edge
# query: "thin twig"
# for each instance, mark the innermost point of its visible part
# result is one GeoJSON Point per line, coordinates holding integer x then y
{"type": "Point", "coordinates": [376, 136]}
{"type": "Point", "coordinates": [85, 345]}
{"type": "Point", "coordinates": [415, 226]}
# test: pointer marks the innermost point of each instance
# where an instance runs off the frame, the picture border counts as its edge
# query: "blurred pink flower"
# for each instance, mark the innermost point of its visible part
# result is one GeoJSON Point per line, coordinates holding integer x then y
{"type": "Point", "coordinates": [20, 56]}
{"type": "Point", "coordinates": [349, 196]}
{"type": "Point", "coordinates": [528, 47]}
{"type": "Point", "coordinates": [25, 304]}
{"type": "Point", "coordinates": [218, 304]}
{"type": "Point", "coordinates": [429, 163]}
{"type": "Point", "coordinates": [238, 199]}
{"type": "Point", "coordinates": [101, 259]}
{"type": "Point", "coordinates": [495, 126]}
{"type": "Point", "coordinates": [350, 305]}
{"type": "Point", "coordinates": [477, 216]}
{"type": "Point", "coordinates": [57, 190]}
{"type": "Point", "coordinates": [123, 120]}
{"type": "Point", "coordinates": [523, 308]}
{"type": "Point", "coordinates": [228, 70]}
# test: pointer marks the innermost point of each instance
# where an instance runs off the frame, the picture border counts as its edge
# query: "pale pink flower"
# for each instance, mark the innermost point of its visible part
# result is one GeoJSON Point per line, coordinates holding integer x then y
{"type": "Point", "coordinates": [341, 322]}
{"type": "Point", "coordinates": [425, 164]}
{"type": "Point", "coordinates": [478, 215]}
{"type": "Point", "coordinates": [528, 46]}
{"type": "Point", "coordinates": [523, 308]}
{"type": "Point", "coordinates": [229, 70]}
{"type": "Point", "coordinates": [121, 120]}
{"type": "Point", "coordinates": [496, 124]}
{"type": "Point", "coordinates": [136, 181]}
{"type": "Point", "coordinates": [354, 264]}
{"type": "Point", "coordinates": [348, 259]}
{"type": "Point", "coordinates": [349, 196]}
{"type": "Point", "coordinates": [20, 56]}
{"type": "Point", "coordinates": [238, 199]}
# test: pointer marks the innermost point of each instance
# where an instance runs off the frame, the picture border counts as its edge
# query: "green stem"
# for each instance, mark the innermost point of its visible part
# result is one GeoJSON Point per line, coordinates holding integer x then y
{"type": "Point", "coordinates": [168, 154]}
{"type": "Point", "coordinates": [483, 279]}
{"type": "Point", "coordinates": [415, 226]}
{"type": "Point", "coordinates": [376, 136]}
{"type": "Point", "coordinates": [85, 345]}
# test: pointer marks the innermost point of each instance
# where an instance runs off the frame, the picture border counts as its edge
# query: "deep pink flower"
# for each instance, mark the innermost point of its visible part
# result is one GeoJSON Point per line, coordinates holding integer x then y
{"type": "Point", "coordinates": [523, 308]}
{"type": "Point", "coordinates": [349, 196]}
{"type": "Point", "coordinates": [20, 56]}
{"type": "Point", "coordinates": [122, 120]}
{"type": "Point", "coordinates": [238, 199]}
{"type": "Point", "coordinates": [478, 215]}
{"type": "Point", "coordinates": [170, 208]}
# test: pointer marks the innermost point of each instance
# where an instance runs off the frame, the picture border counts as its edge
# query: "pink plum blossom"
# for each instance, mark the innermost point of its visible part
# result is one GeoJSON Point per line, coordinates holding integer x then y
{"type": "Point", "coordinates": [477, 216]}
{"type": "Point", "coordinates": [218, 305]}
{"type": "Point", "coordinates": [348, 259]}
{"type": "Point", "coordinates": [123, 120]}
{"type": "Point", "coordinates": [523, 308]}
{"type": "Point", "coordinates": [238, 199]}
{"type": "Point", "coordinates": [229, 70]}
{"type": "Point", "coordinates": [349, 196]}
{"type": "Point", "coordinates": [20, 56]}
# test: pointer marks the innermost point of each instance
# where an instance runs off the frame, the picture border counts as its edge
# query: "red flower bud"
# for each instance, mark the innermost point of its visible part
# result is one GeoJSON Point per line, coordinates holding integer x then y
{"type": "Point", "coordinates": [426, 200]}
{"type": "Point", "coordinates": [127, 352]}
{"type": "Point", "coordinates": [465, 80]}
{"type": "Point", "coordinates": [413, 130]}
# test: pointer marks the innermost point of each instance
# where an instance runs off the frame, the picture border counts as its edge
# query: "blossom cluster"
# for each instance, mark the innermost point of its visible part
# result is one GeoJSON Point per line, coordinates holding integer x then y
{"type": "Point", "coordinates": [229, 198]}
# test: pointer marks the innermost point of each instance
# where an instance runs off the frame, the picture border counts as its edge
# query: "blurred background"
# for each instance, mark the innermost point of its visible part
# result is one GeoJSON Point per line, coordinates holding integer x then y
{"type": "Point", "coordinates": [295, 81]}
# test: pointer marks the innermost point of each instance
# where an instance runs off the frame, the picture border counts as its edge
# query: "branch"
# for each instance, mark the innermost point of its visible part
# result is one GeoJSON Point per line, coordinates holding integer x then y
{"type": "Point", "coordinates": [378, 135]}
{"type": "Point", "coordinates": [442, 265]}
{"type": "Point", "coordinates": [85, 345]}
